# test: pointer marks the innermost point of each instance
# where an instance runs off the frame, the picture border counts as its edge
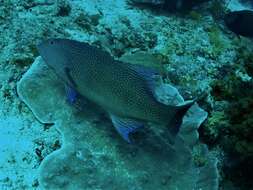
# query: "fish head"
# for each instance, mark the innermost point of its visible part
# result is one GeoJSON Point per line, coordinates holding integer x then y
{"type": "Point", "coordinates": [53, 53]}
{"type": "Point", "coordinates": [55, 56]}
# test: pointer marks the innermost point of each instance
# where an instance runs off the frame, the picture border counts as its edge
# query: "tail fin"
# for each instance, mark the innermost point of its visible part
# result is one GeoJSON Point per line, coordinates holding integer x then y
{"type": "Point", "coordinates": [180, 111]}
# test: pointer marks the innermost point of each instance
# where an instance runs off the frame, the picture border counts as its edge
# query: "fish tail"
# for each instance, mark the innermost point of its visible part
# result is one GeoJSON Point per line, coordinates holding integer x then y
{"type": "Point", "coordinates": [175, 123]}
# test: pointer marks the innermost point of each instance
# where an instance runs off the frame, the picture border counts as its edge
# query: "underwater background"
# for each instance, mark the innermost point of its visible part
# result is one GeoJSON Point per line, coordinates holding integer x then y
{"type": "Point", "coordinates": [45, 143]}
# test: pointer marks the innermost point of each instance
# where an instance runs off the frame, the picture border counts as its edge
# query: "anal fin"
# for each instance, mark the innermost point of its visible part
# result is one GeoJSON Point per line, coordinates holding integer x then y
{"type": "Point", "coordinates": [75, 99]}
{"type": "Point", "coordinates": [125, 126]}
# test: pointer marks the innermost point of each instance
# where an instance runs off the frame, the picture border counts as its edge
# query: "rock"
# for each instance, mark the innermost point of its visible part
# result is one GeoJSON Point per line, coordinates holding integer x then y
{"type": "Point", "coordinates": [155, 2]}
{"type": "Point", "coordinates": [94, 156]}
{"type": "Point", "coordinates": [34, 89]}
{"type": "Point", "coordinates": [171, 5]}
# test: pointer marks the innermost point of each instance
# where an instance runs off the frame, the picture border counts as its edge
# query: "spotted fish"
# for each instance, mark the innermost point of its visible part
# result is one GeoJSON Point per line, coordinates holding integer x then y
{"type": "Point", "coordinates": [124, 91]}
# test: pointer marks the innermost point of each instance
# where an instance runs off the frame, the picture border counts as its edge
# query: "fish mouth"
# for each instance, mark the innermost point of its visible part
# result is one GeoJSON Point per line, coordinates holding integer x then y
{"type": "Point", "coordinates": [43, 51]}
{"type": "Point", "coordinates": [45, 42]}
{"type": "Point", "coordinates": [43, 46]}
{"type": "Point", "coordinates": [39, 47]}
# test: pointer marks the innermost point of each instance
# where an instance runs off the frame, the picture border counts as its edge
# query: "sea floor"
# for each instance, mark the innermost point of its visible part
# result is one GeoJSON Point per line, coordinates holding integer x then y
{"type": "Point", "coordinates": [193, 47]}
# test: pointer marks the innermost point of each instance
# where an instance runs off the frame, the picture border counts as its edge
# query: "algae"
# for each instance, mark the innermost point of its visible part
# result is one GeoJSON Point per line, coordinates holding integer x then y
{"type": "Point", "coordinates": [230, 125]}
{"type": "Point", "coordinates": [216, 40]}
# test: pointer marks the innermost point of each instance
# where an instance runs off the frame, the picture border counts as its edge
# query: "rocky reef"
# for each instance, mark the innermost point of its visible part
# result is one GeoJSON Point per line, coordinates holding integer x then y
{"type": "Point", "coordinates": [194, 51]}
{"type": "Point", "coordinates": [230, 122]}
{"type": "Point", "coordinates": [170, 5]}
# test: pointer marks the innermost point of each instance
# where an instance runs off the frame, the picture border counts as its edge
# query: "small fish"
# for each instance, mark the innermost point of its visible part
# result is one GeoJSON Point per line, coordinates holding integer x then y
{"type": "Point", "coordinates": [240, 22]}
{"type": "Point", "coordinates": [123, 90]}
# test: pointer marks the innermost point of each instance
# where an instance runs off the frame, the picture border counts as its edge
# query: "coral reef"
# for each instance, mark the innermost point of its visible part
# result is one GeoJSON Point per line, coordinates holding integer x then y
{"type": "Point", "coordinates": [230, 124]}
{"type": "Point", "coordinates": [194, 52]}
{"type": "Point", "coordinates": [93, 156]}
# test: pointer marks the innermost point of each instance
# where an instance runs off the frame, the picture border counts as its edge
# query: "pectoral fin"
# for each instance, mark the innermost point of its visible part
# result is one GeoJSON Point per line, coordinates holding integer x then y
{"type": "Point", "coordinates": [75, 99]}
{"type": "Point", "coordinates": [71, 94]}
{"type": "Point", "coordinates": [125, 126]}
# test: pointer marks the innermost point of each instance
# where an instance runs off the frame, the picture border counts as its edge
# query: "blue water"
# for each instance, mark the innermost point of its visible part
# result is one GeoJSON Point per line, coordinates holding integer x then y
{"type": "Point", "coordinates": [53, 139]}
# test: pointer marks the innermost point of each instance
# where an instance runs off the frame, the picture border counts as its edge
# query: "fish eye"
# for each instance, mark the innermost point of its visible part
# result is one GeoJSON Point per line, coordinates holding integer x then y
{"type": "Point", "coordinates": [52, 42]}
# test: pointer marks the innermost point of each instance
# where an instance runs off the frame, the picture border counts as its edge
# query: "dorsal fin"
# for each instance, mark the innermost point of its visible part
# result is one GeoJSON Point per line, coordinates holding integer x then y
{"type": "Point", "coordinates": [148, 74]}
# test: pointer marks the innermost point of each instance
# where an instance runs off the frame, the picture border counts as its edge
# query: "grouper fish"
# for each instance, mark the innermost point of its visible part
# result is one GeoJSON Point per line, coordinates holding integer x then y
{"type": "Point", "coordinates": [123, 90]}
